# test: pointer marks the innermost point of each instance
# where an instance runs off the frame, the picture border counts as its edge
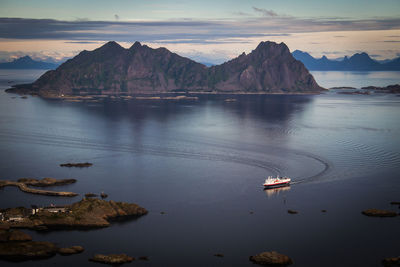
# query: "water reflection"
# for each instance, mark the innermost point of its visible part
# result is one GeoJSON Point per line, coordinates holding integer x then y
{"type": "Point", "coordinates": [270, 192]}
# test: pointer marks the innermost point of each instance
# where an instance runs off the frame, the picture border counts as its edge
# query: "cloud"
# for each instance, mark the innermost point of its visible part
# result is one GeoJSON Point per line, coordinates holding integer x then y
{"type": "Point", "coordinates": [339, 36]}
{"type": "Point", "coordinates": [391, 41]}
{"type": "Point", "coordinates": [265, 12]}
{"type": "Point", "coordinates": [186, 30]}
{"type": "Point", "coordinates": [240, 13]}
{"type": "Point", "coordinates": [82, 42]}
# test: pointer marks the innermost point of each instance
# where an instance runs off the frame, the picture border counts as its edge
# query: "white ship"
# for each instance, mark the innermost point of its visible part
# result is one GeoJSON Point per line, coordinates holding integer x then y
{"type": "Point", "coordinates": [272, 182]}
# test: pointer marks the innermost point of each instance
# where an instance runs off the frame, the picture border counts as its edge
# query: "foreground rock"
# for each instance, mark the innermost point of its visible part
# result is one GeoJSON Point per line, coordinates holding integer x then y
{"type": "Point", "coordinates": [14, 235]}
{"type": "Point", "coordinates": [113, 70]}
{"type": "Point", "coordinates": [70, 250]}
{"type": "Point", "coordinates": [18, 246]}
{"type": "Point", "coordinates": [23, 183]}
{"type": "Point", "coordinates": [77, 165]}
{"type": "Point", "coordinates": [379, 213]}
{"type": "Point", "coordinates": [20, 251]}
{"type": "Point", "coordinates": [391, 262]}
{"type": "Point", "coordinates": [87, 213]}
{"type": "Point", "coordinates": [271, 258]}
{"type": "Point", "coordinates": [112, 258]}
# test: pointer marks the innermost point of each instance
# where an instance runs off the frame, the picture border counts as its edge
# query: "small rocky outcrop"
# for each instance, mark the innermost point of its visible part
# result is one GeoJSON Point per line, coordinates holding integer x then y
{"type": "Point", "coordinates": [271, 258]}
{"type": "Point", "coordinates": [379, 213]}
{"type": "Point", "coordinates": [220, 255]}
{"type": "Point", "coordinates": [391, 262]}
{"type": "Point", "coordinates": [14, 235]}
{"type": "Point", "coordinates": [77, 165]}
{"type": "Point", "coordinates": [90, 195]}
{"type": "Point", "coordinates": [70, 250]}
{"type": "Point", "coordinates": [144, 258]}
{"type": "Point", "coordinates": [292, 211]}
{"type": "Point", "coordinates": [29, 250]}
{"type": "Point", "coordinates": [112, 258]}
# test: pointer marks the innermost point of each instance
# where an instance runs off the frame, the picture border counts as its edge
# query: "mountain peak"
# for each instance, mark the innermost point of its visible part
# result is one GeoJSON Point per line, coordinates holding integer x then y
{"type": "Point", "coordinates": [266, 49]}
{"type": "Point", "coordinates": [26, 62]}
{"type": "Point", "coordinates": [111, 45]}
{"type": "Point", "coordinates": [269, 45]}
{"type": "Point", "coordinates": [362, 55]}
{"type": "Point", "coordinates": [136, 45]}
{"type": "Point", "coordinates": [23, 59]}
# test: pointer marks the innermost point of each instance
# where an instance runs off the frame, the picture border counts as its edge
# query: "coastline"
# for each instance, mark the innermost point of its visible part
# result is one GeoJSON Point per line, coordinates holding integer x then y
{"type": "Point", "coordinates": [190, 95]}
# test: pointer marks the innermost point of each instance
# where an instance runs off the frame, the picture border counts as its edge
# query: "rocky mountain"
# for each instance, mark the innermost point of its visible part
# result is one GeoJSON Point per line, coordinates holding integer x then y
{"type": "Point", "coordinates": [112, 69]}
{"type": "Point", "coordinates": [357, 62]}
{"type": "Point", "coordinates": [27, 62]}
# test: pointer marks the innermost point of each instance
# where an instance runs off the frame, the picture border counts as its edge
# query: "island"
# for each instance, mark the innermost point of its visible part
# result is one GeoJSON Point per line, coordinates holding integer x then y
{"type": "Point", "coordinates": [113, 71]}
{"type": "Point", "coordinates": [392, 89]}
{"type": "Point", "coordinates": [85, 214]}
{"type": "Point", "coordinates": [77, 165]}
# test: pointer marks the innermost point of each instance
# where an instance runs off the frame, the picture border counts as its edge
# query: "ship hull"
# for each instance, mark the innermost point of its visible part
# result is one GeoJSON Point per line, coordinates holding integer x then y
{"type": "Point", "coordinates": [266, 186]}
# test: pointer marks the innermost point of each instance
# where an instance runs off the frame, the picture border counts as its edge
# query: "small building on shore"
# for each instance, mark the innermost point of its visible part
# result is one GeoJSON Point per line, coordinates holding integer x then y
{"type": "Point", "coordinates": [34, 209]}
{"type": "Point", "coordinates": [15, 218]}
{"type": "Point", "coordinates": [56, 209]}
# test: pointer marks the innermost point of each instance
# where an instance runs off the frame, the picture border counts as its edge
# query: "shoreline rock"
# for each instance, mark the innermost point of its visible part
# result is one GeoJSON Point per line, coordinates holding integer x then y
{"type": "Point", "coordinates": [14, 236]}
{"type": "Point", "coordinates": [77, 165]}
{"type": "Point", "coordinates": [271, 258]}
{"type": "Point", "coordinates": [29, 250]}
{"type": "Point", "coordinates": [391, 262]}
{"type": "Point", "coordinates": [112, 259]}
{"type": "Point", "coordinates": [70, 250]}
{"type": "Point", "coordinates": [292, 211]}
{"type": "Point", "coordinates": [379, 213]}
{"type": "Point", "coordinates": [342, 87]}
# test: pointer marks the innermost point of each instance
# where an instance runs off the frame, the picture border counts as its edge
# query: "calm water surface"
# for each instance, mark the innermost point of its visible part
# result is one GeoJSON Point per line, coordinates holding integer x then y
{"type": "Point", "coordinates": [203, 163]}
{"type": "Point", "coordinates": [356, 79]}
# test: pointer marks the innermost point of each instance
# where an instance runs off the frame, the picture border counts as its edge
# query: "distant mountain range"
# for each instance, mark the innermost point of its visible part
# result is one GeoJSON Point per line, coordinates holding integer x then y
{"type": "Point", "coordinates": [27, 62]}
{"type": "Point", "coordinates": [112, 69]}
{"type": "Point", "coordinates": [357, 62]}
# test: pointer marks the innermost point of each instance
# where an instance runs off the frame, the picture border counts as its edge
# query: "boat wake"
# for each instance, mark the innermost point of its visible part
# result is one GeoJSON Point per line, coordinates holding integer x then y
{"type": "Point", "coordinates": [273, 161]}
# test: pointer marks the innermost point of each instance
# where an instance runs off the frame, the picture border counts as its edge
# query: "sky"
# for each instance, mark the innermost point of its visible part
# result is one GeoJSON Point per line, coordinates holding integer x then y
{"type": "Point", "coordinates": [207, 31]}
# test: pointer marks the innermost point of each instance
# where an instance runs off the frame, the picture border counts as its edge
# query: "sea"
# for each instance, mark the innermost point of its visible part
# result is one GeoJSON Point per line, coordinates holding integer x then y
{"type": "Point", "coordinates": [198, 167]}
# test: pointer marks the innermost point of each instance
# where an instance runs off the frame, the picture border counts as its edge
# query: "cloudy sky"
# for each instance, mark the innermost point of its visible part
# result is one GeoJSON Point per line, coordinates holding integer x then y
{"type": "Point", "coordinates": [207, 31]}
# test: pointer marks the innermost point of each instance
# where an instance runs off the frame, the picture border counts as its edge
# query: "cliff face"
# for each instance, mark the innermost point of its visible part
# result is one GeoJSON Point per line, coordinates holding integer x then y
{"type": "Point", "coordinates": [268, 68]}
{"type": "Point", "coordinates": [112, 69]}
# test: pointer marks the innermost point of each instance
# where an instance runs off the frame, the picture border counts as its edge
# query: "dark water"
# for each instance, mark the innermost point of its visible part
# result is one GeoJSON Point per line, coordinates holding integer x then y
{"type": "Point", "coordinates": [203, 163]}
